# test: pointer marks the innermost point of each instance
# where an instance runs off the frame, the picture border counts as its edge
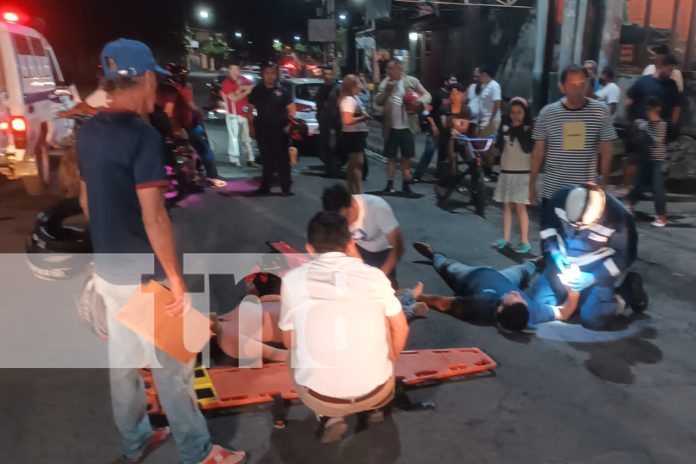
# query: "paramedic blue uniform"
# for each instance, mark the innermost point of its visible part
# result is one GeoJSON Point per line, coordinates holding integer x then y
{"type": "Point", "coordinates": [606, 249]}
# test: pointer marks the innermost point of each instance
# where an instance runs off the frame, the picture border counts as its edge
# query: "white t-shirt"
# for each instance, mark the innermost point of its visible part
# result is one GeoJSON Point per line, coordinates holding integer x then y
{"type": "Point", "coordinates": [474, 103]}
{"type": "Point", "coordinates": [336, 305]}
{"type": "Point", "coordinates": [355, 107]}
{"type": "Point", "coordinates": [609, 94]}
{"type": "Point", "coordinates": [490, 94]}
{"type": "Point", "coordinates": [397, 101]}
{"type": "Point", "coordinates": [375, 220]}
{"type": "Point", "coordinates": [676, 75]}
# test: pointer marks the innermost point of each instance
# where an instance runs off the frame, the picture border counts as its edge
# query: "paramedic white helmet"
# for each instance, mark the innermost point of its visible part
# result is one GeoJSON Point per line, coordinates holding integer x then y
{"type": "Point", "coordinates": [585, 205]}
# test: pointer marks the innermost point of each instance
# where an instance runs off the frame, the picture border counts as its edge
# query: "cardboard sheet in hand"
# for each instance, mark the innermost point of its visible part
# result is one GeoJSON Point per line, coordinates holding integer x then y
{"type": "Point", "coordinates": [145, 314]}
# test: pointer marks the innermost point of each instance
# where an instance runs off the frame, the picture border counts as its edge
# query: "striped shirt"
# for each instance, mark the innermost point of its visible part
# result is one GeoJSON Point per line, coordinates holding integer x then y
{"type": "Point", "coordinates": [572, 142]}
{"type": "Point", "coordinates": [658, 132]}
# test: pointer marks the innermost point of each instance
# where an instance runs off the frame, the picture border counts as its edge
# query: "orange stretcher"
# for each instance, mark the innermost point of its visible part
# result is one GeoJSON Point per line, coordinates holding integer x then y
{"type": "Point", "coordinates": [294, 257]}
{"type": "Point", "coordinates": [224, 387]}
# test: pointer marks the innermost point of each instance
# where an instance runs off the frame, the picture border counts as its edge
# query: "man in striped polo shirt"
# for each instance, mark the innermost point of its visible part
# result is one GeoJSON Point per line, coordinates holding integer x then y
{"type": "Point", "coordinates": [568, 136]}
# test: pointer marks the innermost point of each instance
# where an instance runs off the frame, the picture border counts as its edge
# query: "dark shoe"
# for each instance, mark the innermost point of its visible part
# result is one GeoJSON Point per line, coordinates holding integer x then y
{"type": "Point", "coordinates": [416, 180]}
{"type": "Point", "coordinates": [424, 250]}
{"type": "Point", "coordinates": [390, 187]}
{"type": "Point", "coordinates": [633, 292]}
{"type": "Point", "coordinates": [334, 430]}
{"type": "Point", "coordinates": [287, 193]}
{"type": "Point", "coordinates": [252, 164]}
{"type": "Point", "coordinates": [262, 191]}
{"type": "Point", "coordinates": [407, 189]}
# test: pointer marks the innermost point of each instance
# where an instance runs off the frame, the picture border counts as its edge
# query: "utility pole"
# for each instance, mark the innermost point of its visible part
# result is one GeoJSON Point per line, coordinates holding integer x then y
{"type": "Point", "coordinates": [329, 7]}
{"type": "Point", "coordinates": [540, 54]}
{"type": "Point", "coordinates": [611, 32]}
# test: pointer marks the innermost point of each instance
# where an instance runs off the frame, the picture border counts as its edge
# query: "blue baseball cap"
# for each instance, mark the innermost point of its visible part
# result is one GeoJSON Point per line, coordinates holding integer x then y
{"type": "Point", "coordinates": [129, 58]}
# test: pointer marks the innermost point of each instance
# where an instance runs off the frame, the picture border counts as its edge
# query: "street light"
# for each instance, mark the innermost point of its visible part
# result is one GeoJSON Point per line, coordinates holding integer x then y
{"type": "Point", "coordinates": [204, 14]}
{"type": "Point", "coordinates": [276, 41]}
{"type": "Point", "coordinates": [238, 35]}
{"type": "Point", "coordinates": [343, 16]}
{"type": "Point", "coordinates": [297, 38]}
{"type": "Point", "coordinates": [413, 36]}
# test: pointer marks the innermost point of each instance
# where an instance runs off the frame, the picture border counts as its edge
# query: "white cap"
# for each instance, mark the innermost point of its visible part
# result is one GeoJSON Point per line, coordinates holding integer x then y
{"type": "Point", "coordinates": [585, 206]}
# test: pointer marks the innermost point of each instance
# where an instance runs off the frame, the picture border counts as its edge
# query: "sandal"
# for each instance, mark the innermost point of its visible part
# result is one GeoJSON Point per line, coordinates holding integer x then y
{"type": "Point", "coordinates": [523, 248]}
{"type": "Point", "coordinates": [158, 437]}
{"type": "Point", "coordinates": [217, 183]}
{"type": "Point", "coordinates": [500, 244]}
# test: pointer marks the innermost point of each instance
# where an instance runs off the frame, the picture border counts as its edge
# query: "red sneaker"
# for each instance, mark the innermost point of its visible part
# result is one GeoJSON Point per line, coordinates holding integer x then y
{"type": "Point", "coordinates": [660, 221]}
{"type": "Point", "coordinates": [220, 455]}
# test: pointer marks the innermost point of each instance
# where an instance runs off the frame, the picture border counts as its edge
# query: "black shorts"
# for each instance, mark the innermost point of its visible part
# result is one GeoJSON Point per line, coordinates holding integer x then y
{"type": "Point", "coordinates": [353, 142]}
{"type": "Point", "coordinates": [400, 139]}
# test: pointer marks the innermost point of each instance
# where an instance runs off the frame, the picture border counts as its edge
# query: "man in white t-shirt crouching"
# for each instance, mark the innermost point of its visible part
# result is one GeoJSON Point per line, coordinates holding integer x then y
{"type": "Point", "coordinates": [372, 225]}
{"type": "Point", "coordinates": [344, 329]}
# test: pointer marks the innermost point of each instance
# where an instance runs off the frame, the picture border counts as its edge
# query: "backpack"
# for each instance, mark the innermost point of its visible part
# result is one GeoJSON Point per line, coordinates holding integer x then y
{"type": "Point", "coordinates": [638, 139]}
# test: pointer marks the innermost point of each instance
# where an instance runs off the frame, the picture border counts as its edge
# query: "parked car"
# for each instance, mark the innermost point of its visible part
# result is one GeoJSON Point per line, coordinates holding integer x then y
{"type": "Point", "coordinates": [304, 92]}
{"type": "Point", "coordinates": [32, 92]}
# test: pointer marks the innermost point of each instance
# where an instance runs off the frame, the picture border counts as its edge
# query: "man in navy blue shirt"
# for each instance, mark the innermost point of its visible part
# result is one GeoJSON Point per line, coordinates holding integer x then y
{"type": "Point", "coordinates": [659, 85]}
{"type": "Point", "coordinates": [484, 295]}
{"type": "Point", "coordinates": [273, 104]}
{"type": "Point", "coordinates": [121, 160]}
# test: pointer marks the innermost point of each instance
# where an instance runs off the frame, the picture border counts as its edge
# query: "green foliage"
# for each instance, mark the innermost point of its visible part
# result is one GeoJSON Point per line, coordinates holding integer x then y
{"type": "Point", "coordinates": [215, 48]}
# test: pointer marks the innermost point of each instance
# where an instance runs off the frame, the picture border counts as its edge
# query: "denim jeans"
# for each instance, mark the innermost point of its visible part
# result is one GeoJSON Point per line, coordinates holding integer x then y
{"type": "Point", "coordinates": [650, 174]}
{"type": "Point", "coordinates": [597, 306]}
{"type": "Point", "coordinates": [174, 382]}
{"type": "Point", "coordinates": [456, 274]}
{"type": "Point", "coordinates": [426, 158]}
{"type": "Point", "coordinates": [199, 140]}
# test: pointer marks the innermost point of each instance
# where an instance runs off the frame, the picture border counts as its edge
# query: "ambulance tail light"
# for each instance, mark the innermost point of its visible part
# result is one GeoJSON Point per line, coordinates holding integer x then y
{"type": "Point", "coordinates": [19, 127]}
{"type": "Point", "coordinates": [10, 17]}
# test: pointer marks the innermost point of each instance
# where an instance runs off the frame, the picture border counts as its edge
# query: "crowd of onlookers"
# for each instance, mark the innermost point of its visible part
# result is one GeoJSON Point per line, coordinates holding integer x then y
{"type": "Point", "coordinates": [357, 240]}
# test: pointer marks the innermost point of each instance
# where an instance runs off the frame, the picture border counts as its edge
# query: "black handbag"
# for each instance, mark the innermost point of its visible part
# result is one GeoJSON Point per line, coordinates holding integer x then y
{"type": "Point", "coordinates": [638, 140]}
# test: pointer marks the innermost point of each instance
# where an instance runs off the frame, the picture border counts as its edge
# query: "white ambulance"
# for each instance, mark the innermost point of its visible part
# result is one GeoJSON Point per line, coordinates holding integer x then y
{"type": "Point", "coordinates": [31, 91]}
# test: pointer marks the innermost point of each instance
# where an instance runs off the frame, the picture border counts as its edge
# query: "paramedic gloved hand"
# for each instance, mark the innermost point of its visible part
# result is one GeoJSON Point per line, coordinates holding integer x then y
{"type": "Point", "coordinates": [561, 261]}
{"type": "Point", "coordinates": [581, 281]}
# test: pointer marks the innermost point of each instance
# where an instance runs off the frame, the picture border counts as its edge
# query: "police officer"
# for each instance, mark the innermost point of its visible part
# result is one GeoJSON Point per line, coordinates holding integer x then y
{"type": "Point", "coordinates": [273, 104]}
{"type": "Point", "coordinates": [589, 241]}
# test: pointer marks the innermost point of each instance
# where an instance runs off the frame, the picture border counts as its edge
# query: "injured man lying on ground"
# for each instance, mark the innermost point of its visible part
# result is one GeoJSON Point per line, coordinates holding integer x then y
{"type": "Point", "coordinates": [484, 295]}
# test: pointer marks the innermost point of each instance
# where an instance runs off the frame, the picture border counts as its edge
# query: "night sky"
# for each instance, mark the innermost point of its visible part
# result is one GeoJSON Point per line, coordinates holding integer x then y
{"type": "Point", "coordinates": [78, 29]}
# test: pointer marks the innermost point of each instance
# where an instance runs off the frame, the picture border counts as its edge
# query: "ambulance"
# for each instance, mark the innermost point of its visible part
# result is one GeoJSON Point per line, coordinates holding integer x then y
{"type": "Point", "coordinates": [32, 94]}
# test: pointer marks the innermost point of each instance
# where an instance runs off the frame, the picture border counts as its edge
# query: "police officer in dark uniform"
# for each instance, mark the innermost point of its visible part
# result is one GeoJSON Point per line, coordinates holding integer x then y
{"type": "Point", "coordinates": [270, 128]}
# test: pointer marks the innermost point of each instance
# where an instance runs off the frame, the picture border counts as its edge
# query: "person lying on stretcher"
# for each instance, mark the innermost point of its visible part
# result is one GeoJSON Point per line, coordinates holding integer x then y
{"type": "Point", "coordinates": [238, 332]}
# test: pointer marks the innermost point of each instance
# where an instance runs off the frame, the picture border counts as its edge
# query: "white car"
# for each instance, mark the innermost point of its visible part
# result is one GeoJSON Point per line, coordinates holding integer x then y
{"type": "Point", "coordinates": [30, 99]}
{"type": "Point", "coordinates": [304, 92]}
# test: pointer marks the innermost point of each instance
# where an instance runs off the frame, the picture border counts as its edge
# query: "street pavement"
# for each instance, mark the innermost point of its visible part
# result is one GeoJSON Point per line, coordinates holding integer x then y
{"type": "Point", "coordinates": [566, 395]}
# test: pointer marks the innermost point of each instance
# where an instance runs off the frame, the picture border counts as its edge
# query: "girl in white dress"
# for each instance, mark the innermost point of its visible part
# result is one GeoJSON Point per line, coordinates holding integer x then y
{"type": "Point", "coordinates": [515, 145]}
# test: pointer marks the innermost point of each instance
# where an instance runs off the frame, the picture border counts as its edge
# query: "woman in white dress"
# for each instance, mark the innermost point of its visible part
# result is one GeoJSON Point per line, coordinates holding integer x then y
{"type": "Point", "coordinates": [515, 145]}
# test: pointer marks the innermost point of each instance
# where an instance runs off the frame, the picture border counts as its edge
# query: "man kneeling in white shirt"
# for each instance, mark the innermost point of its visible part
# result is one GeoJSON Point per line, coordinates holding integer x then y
{"type": "Point", "coordinates": [344, 328]}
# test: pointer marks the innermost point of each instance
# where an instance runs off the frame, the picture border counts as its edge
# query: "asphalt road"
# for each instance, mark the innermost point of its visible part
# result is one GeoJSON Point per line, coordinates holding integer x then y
{"type": "Point", "coordinates": [566, 395]}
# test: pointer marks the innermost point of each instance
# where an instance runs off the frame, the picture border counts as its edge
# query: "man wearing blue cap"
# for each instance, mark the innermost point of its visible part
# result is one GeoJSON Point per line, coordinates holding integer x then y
{"type": "Point", "coordinates": [121, 160]}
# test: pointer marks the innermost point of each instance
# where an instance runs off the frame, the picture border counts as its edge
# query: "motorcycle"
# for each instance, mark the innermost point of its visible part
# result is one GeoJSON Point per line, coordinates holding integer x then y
{"type": "Point", "coordinates": [184, 170]}
{"type": "Point", "coordinates": [467, 150]}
